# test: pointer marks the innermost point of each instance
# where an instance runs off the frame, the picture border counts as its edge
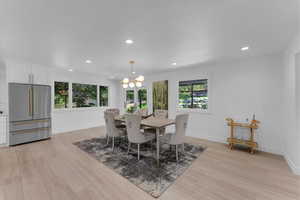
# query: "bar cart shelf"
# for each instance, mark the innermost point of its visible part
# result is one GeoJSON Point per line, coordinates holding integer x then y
{"type": "Point", "coordinates": [232, 140]}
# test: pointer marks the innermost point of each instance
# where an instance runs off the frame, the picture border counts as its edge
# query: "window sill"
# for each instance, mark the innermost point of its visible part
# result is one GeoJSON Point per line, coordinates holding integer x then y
{"type": "Point", "coordinates": [192, 110]}
{"type": "Point", "coordinates": [57, 110]}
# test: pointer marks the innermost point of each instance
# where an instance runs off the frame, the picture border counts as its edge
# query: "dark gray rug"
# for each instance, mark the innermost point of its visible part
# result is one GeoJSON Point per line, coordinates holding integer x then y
{"type": "Point", "coordinates": [143, 173]}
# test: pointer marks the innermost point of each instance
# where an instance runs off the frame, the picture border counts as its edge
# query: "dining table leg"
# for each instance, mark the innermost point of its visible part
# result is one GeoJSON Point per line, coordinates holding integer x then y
{"type": "Point", "coordinates": [157, 146]}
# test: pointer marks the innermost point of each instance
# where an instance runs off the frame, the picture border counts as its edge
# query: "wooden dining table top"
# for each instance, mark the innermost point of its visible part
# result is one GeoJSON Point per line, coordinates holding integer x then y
{"type": "Point", "coordinates": [153, 122]}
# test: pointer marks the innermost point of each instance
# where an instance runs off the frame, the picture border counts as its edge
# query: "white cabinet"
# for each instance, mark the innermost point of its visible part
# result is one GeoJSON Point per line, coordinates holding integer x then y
{"type": "Point", "coordinates": [26, 73]}
{"type": "Point", "coordinates": [3, 130]}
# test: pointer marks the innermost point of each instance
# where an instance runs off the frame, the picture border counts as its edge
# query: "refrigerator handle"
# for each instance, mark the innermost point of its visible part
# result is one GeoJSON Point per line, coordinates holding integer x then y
{"type": "Point", "coordinates": [30, 102]}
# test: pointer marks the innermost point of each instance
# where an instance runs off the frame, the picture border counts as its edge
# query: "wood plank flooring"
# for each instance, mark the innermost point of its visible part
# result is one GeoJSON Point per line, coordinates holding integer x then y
{"type": "Point", "coordinates": [57, 170]}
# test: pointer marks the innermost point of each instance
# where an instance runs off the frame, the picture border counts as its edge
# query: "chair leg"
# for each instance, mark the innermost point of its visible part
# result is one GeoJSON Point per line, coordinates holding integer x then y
{"type": "Point", "coordinates": [128, 147]}
{"type": "Point", "coordinates": [138, 151]}
{"type": "Point", "coordinates": [151, 143]}
{"type": "Point", "coordinates": [176, 146]}
{"type": "Point", "coordinates": [113, 143]}
{"type": "Point", "coordinates": [182, 148]}
{"type": "Point", "coordinates": [107, 140]}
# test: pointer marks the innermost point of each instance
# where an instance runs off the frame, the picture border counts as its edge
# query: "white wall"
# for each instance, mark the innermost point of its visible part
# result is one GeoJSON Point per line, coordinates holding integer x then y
{"type": "Point", "coordinates": [291, 113]}
{"type": "Point", "coordinates": [3, 88]}
{"type": "Point", "coordinates": [68, 119]}
{"type": "Point", "coordinates": [292, 104]}
{"type": "Point", "coordinates": [238, 90]}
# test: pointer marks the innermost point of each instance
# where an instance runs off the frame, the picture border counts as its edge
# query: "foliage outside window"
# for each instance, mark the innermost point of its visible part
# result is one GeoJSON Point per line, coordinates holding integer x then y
{"type": "Point", "coordinates": [84, 95]}
{"type": "Point", "coordinates": [193, 94]}
{"type": "Point", "coordinates": [61, 94]}
{"type": "Point", "coordinates": [103, 96]}
{"type": "Point", "coordinates": [129, 99]}
{"type": "Point", "coordinates": [142, 98]}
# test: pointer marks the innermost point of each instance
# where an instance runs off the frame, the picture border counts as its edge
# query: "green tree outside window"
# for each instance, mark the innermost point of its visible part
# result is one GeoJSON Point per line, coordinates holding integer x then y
{"type": "Point", "coordinates": [84, 95]}
{"type": "Point", "coordinates": [193, 94]}
{"type": "Point", "coordinates": [103, 96]}
{"type": "Point", "coordinates": [142, 98]}
{"type": "Point", "coordinates": [129, 99]}
{"type": "Point", "coordinates": [61, 94]}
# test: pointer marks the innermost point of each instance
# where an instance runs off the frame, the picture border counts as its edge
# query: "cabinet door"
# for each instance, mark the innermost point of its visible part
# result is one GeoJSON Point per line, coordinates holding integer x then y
{"type": "Point", "coordinates": [20, 102]}
{"type": "Point", "coordinates": [41, 102]}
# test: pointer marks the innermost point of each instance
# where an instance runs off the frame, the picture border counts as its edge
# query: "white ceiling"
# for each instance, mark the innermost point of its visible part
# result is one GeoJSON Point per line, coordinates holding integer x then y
{"type": "Point", "coordinates": [64, 33]}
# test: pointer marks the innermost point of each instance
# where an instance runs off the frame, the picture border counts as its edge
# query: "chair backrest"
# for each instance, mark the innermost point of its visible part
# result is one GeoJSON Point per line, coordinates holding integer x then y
{"type": "Point", "coordinates": [161, 113]}
{"type": "Point", "coordinates": [181, 126]}
{"type": "Point", "coordinates": [133, 126]}
{"type": "Point", "coordinates": [110, 124]}
{"type": "Point", "coordinates": [116, 111]}
{"type": "Point", "coordinates": [143, 112]}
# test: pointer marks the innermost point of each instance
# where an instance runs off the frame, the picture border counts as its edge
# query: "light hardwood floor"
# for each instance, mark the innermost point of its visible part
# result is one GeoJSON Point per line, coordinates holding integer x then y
{"type": "Point", "coordinates": [57, 170]}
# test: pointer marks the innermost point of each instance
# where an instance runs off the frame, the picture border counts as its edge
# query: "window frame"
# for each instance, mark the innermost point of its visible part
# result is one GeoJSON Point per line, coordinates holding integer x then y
{"type": "Point", "coordinates": [134, 96]}
{"type": "Point", "coordinates": [87, 84]}
{"type": "Point", "coordinates": [68, 101]}
{"type": "Point", "coordinates": [99, 94]}
{"type": "Point", "coordinates": [138, 100]}
{"type": "Point", "coordinates": [70, 107]}
{"type": "Point", "coordinates": [197, 110]}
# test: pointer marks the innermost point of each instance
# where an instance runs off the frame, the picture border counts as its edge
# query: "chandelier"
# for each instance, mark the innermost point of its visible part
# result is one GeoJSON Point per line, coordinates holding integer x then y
{"type": "Point", "coordinates": [132, 81]}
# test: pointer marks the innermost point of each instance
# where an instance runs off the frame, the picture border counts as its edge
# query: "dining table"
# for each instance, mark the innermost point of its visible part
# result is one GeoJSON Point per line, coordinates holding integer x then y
{"type": "Point", "coordinates": [156, 123]}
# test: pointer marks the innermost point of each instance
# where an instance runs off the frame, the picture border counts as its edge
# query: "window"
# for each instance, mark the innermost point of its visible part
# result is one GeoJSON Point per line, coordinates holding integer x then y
{"type": "Point", "coordinates": [193, 94]}
{"type": "Point", "coordinates": [103, 95]}
{"type": "Point", "coordinates": [61, 92]}
{"type": "Point", "coordinates": [142, 98]}
{"type": "Point", "coordinates": [129, 98]}
{"type": "Point", "coordinates": [84, 95]}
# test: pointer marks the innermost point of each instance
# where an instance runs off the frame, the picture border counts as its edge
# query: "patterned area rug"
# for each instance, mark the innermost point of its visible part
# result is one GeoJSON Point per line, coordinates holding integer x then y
{"type": "Point", "coordinates": [143, 173]}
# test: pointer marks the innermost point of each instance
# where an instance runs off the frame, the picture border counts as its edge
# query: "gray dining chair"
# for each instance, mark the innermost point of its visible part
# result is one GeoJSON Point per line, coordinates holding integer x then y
{"type": "Point", "coordinates": [161, 113]}
{"type": "Point", "coordinates": [134, 133]}
{"type": "Point", "coordinates": [112, 131]}
{"type": "Point", "coordinates": [113, 110]}
{"type": "Point", "coordinates": [143, 112]}
{"type": "Point", "coordinates": [178, 137]}
{"type": "Point", "coordinates": [116, 112]}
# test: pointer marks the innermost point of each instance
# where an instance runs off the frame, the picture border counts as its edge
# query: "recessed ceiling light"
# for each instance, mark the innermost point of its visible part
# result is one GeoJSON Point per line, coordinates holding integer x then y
{"type": "Point", "coordinates": [88, 61]}
{"type": "Point", "coordinates": [244, 48]}
{"type": "Point", "coordinates": [174, 63]}
{"type": "Point", "coordinates": [129, 41]}
{"type": "Point", "coordinates": [70, 70]}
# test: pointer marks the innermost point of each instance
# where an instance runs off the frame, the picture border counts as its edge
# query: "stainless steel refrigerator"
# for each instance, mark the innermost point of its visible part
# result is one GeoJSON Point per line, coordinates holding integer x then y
{"type": "Point", "coordinates": [29, 112]}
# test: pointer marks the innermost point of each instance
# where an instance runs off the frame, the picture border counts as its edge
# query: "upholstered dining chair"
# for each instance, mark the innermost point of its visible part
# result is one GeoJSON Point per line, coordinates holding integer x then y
{"type": "Point", "coordinates": [134, 133]}
{"type": "Point", "coordinates": [178, 137]}
{"type": "Point", "coordinates": [143, 112]}
{"type": "Point", "coordinates": [116, 112]}
{"type": "Point", "coordinates": [112, 131]}
{"type": "Point", "coordinates": [160, 113]}
{"type": "Point", "coordinates": [163, 114]}
{"type": "Point", "coordinates": [113, 110]}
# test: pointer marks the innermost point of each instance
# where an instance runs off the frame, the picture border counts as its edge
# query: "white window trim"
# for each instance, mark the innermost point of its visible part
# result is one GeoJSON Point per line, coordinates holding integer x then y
{"type": "Point", "coordinates": [71, 96]}
{"type": "Point", "coordinates": [98, 96]}
{"type": "Point", "coordinates": [195, 110]}
{"type": "Point", "coordinates": [53, 96]}
{"type": "Point", "coordinates": [134, 96]}
{"type": "Point", "coordinates": [70, 102]}
{"type": "Point", "coordinates": [137, 94]}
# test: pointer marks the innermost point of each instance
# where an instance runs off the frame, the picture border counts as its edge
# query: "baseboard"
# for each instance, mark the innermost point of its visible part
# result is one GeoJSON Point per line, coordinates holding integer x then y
{"type": "Point", "coordinates": [213, 139]}
{"type": "Point", "coordinates": [4, 145]}
{"type": "Point", "coordinates": [292, 165]}
{"type": "Point", "coordinates": [76, 129]}
{"type": "Point", "coordinates": [223, 141]}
